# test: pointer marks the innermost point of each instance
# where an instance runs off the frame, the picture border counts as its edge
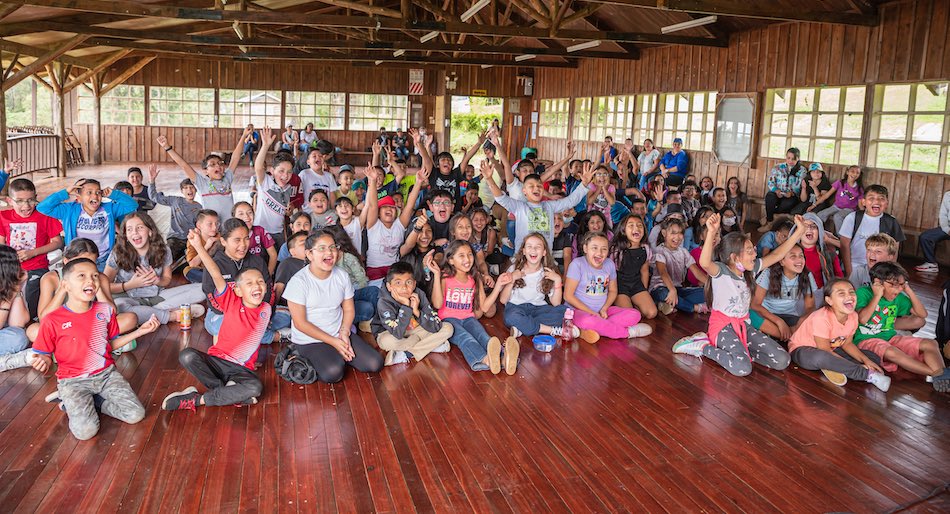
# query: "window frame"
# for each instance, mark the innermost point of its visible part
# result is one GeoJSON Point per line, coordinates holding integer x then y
{"type": "Point", "coordinates": [154, 99]}
{"type": "Point", "coordinates": [644, 119]}
{"type": "Point", "coordinates": [300, 121]}
{"type": "Point", "coordinates": [258, 120]}
{"type": "Point", "coordinates": [556, 120]}
{"type": "Point", "coordinates": [391, 122]}
{"type": "Point", "coordinates": [106, 108]}
{"type": "Point", "coordinates": [708, 124]}
{"type": "Point", "coordinates": [908, 141]}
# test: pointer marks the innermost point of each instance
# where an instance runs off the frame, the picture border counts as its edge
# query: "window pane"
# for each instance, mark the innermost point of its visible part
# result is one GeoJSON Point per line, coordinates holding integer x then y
{"type": "Point", "coordinates": [824, 150]}
{"type": "Point", "coordinates": [931, 97]}
{"type": "Point", "coordinates": [854, 99]}
{"type": "Point", "coordinates": [780, 99]}
{"type": "Point", "coordinates": [924, 158]}
{"type": "Point", "coordinates": [805, 100]}
{"type": "Point", "coordinates": [851, 125]}
{"type": "Point", "coordinates": [801, 124]}
{"type": "Point", "coordinates": [827, 125]}
{"type": "Point", "coordinates": [829, 99]}
{"type": "Point", "coordinates": [928, 127]}
{"type": "Point", "coordinates": [777, 147]}
{"type": "Point", "coordinates": [890, 156]}
{"type": "Point", "coordinates": [849, 152]}
{"type": "Point", "coordinates": [893, 126]}
{"type": "Point", "coordinates": [896, 98]}
{"type": "Point", "coordinates": [780, 124]}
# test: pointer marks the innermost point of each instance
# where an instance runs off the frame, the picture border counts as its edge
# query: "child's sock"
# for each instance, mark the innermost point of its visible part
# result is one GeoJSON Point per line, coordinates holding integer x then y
{"type": "Point", "coordinates": [442, 348]}
{"type": "Point", "coordinates": [396, 357]}
{"type": "Point", "coordinates": [879, 380]}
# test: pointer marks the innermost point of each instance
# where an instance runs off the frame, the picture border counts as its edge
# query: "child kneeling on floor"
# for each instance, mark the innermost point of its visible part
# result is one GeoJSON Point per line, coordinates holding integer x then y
{"type": "Point", "coordinates": [734, 343]}
{"type": "Point", "coordinates": [406, 325]}
{"type": "Point", "coordinates": [227, 370]}
{"type": "Point", "coordinates": [81, 335]}
{"type": "Point", "coordinates": [825, 340]}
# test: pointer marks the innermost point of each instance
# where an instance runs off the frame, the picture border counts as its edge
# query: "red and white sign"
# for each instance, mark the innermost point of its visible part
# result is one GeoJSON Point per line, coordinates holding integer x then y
{"type": "Point", "coordinates": [415, 82]}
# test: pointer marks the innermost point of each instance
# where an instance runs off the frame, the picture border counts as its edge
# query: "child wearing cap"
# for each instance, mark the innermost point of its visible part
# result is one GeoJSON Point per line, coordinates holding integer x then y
{"type": "Point", "coordinates": [814, 195]}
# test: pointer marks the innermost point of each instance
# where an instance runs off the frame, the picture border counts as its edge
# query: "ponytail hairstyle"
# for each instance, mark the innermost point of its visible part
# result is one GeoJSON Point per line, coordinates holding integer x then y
{"type": "Point", "coordinates": [547, 261]}
{"type": "Point", "coordinates": [127, 257]}
{"type": "Point", "coordinates": [731, 244]}
{"type": "Point", "coordinates": [79, 246]}
{"type": "Point", "coordinates": [449, 271]}
{"type": "Point", "coordinates": [777, 271]}
{"type": "Point", "coordinates": [620, 243]}
{"type": "Point", "coordinates": [11, 273]}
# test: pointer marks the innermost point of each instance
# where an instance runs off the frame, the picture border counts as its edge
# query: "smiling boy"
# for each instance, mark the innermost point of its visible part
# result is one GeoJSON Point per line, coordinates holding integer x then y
{"type": "Point", "coordinates": [184, 211]}
{"type": "Point", "coordinates": [860, 225]}
{"type": "Point", "coordinates": [214, 183]}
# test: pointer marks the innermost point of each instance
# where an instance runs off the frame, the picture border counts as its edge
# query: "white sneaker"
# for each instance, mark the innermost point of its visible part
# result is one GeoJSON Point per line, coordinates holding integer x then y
{"type": "Point", "coordinates": [197, 310]}
{"type": "Point", "coordinates": [515, 332]}
{"type": "Point", "coordinates": [284, 332]}
{"type": "Point", "coordinates": [396, 357]}
{"type": "Point", "coordinates": [640, 330]}
{"type": "Point", "coordinates": [879, 380]}
{"type": "Point", "coordinates": [442, 348]}
{"type": "Point", "coordinates": [20, 359]}
{"type": "Point", "coordinates": [928, 267]}
{"type": "Point", "coordinates": [691, 345]}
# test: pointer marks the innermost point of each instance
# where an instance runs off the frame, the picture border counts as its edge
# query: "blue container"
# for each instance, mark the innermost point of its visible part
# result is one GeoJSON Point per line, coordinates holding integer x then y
{"type": "Point", "coordinates": [544, 343]}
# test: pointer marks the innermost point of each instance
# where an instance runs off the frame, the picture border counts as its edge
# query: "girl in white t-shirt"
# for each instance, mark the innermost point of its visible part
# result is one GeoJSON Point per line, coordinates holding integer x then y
{"type": "Point", "coordinates": [734, 343]}
{"type": "Point", "coordinates": [533, 300]}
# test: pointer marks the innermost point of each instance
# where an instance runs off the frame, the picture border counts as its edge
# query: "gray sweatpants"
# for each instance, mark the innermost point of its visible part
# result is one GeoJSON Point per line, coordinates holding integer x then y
{"type": "Point", "coordinates": [815, 359]}
{"type": "Point", "coordinates": [167, 299]}
{"type": "Point", "coordinates": [118, 401]}
{"type": "Point", "coordinates": [730, 353]}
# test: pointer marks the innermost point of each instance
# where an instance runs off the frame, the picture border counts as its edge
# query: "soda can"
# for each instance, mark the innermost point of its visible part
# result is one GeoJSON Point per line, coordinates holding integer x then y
{"type": "Point", "coordinates": [185, 316]}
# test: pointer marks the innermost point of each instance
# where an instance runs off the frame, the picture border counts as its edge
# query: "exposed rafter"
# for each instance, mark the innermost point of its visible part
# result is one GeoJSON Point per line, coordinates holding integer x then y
{"type": "Point", "coordinates": [764, 10]}
{"type": "Point", "coordinates": [44, 60]}
{"type": "Point", "coordinates": [102, 65]}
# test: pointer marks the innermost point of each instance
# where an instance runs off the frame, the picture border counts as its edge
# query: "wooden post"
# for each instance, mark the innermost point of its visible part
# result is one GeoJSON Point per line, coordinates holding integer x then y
{"type": "Point", "coordinates": [56, 72]}
{"type": "Point", "coordinates": [95, 145]}
{"type": "Point", "coordinates": [3, 126]}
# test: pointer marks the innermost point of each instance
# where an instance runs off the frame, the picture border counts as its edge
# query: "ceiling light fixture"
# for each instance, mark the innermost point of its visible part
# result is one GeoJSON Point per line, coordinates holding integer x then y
{"type": "Point", "coordinates": [698, 22]}
{"type": "Point", "coordinates": [525, 57]}
{"type": "Point", "coordinates": [478, 6]}
{"type": "Point", "coordinates": [429, 37]}
{"type": "Point", "coordinates": [399, 52]}
{"type": "Point", "coordinates": [583, 46]}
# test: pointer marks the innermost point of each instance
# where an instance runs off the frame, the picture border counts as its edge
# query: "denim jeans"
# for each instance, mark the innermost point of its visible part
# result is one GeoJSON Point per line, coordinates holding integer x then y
{"type": "Point", "coordinates": [278, 320]}
{"type": "Point", "coordinates": [470, 336]}
{"type": "Point", "coordinates": [687, 297]}
{"type": "Point", "coordinates": [12, 340]}
{"type": "Point", "coordinates": [249, 149]}
{"type": "Point", "coordinates": [528, 318]}
{"type": "Point", "coordinates": [195, 275]}
{"type": "Point", "coordinates": [365, 301]}
{"type": "Point", "coordinates": [928, 242]}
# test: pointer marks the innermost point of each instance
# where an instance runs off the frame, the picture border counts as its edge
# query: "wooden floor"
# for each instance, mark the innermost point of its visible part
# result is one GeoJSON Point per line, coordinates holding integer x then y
{"type": "Point", "coordinates": [621, 426]}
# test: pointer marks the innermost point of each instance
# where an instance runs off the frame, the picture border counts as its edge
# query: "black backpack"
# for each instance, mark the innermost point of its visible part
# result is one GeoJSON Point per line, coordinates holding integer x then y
{"type": "Point", "coordinates": [293, 367]}
{"type": "Point", "coordinates": [943, 317]}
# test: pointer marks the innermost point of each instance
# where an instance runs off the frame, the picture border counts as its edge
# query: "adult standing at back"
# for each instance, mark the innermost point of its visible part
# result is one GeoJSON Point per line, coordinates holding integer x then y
{"type": "Point", "coordinates": [675, 164]}
{"type": "Point", "coordinates": [785, 185]}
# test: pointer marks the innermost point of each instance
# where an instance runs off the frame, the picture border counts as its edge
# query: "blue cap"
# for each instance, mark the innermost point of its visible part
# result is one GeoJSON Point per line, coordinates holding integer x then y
{"type": "Point", "coordinates": [815, 166]}
{"type": "Point", "coordinates": [678, 140]}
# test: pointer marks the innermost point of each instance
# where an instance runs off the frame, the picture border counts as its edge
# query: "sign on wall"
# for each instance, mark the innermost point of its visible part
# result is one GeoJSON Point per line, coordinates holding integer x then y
{"type": "Point", "coordinates": [415, 82]}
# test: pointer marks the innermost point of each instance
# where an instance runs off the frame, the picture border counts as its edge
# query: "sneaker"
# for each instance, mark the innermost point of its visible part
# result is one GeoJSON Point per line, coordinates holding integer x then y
{"type": "Point", "coordinates": [284, 333]}
{"type": "Point", "coordinates": [691, 345]}
{"type": "Point", "coordinates": [131, 345]}
{"type": "Point", "coordinates": [941, 382]}
{"type": "Point", "coordinates": [396, 357]}
{"type": "Point", "coordinates": [365, 327]}
{"type": "Point", "coordinates": [665, 308]}
{"type": "Point", "coordinates": [20, 359]}
{"type": "Point", "coordinates": [517, 333]}
{"type": "Point", "coordinates": [53, 397]}
{"type": "Point", "coordinates": [587, 335]}
{"type": "Point", "coordinates": [512, 349]}
{"type": "Point", "coordinates": [640, 330]}
{"type": "Point", "coordinates": [701, 308]}
{"type": "Point", "coordinates": [928, 267]}
{"type": "Point", "coordinates": [182, 400]}
{"type": "Point", "coordinates": [494, 355]}
{"type": "Point", "coordinates": [879, 380]}
{"type": "Point", "coordinates": [442, 348]}
{"type": "Point", "coordinates": [197, 311]}
{"type": "Point", "coordinates": [836, 378]}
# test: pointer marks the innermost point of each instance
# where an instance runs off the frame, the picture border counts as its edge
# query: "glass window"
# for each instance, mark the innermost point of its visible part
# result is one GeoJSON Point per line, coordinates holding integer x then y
{"type": "Point", "coordinates": [909, 127]}
{"type": "Point", "coordinates": [238, 107]}
{"type": "Point", "coordinates": [824, 123]}
{"type": "Point", "coordinates": [123, 105]}
{"type": "Point", "coordinates": [327, 111]}
{"type": "Point", "coordinates": [581, 128]}
{"type": "Point", "coordinates": [690, 116]}
{"type": "Point", "coordinates": [552, 117]}
{"type": "Point", "coordinates": [644, 118]}
{"type": "Point", "coordinates": [180, 107]}
{"type": "Point", "coordinates": [612, 116]}
{"type": "Point", "coordinates": [372, 112]}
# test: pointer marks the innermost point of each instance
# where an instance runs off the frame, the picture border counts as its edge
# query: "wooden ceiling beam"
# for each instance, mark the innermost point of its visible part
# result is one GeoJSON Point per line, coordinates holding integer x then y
{"type": "Point", "coordinates": [34, 51]}
{"type": "Point", "coordinates": [759, 10]}
{"type": "Point", "coordinates": [44, 59]}
{"type": "Point", "coordinates": [7, 9]}
{"type": "Point", "coordinates": [368, 9]}
{"type": "Point", "coordinates": [101, 66]}
{"type": "Point", "coordinates": [125, 75]}
{"type": "Point", "coordinates": [125, 7]}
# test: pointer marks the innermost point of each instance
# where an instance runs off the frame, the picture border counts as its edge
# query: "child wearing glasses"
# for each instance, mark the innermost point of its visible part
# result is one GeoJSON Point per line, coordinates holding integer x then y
{"type": "Point", "coordinates": [31, 233]}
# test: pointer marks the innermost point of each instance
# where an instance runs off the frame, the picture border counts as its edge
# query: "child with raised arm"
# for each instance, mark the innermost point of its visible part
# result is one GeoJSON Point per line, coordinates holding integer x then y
{"type": "Point", "coordinates": [84, 214]}
{"type": "Point", "coordinates": [184, 211]}
{"type": "Point", "coordinates": [384, 231]}
{"type": "Point", "coordinates": [274, 191]}
{"type": "Point", "coordinates": [732, 341]}
{"type": "Point", "coordinates": [81, 336]}
{"type": "Point", "coordinates": [214, 181]}
{"type": "Point", "coordinates": [227, 370]}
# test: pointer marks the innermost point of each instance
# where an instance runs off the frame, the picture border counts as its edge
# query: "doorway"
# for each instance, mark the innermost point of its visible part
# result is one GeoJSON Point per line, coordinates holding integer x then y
{"type": "Point", "coordinates": [471, 115]}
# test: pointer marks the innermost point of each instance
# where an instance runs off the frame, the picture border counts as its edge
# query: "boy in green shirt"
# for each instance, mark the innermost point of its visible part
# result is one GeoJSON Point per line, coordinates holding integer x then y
{"type": "Point", "coordinates": [887, 298]}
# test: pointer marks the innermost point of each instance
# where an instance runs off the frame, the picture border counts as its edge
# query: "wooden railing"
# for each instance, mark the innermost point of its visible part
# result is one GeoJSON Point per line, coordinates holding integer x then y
{"type": "Point", "coordinates": [39, 151]}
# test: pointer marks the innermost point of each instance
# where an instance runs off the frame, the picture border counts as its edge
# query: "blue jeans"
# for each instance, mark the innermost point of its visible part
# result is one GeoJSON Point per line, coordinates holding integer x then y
{"type": "Point", "coordinates": [471, 338]}
{"type": "Point", "coordinates": [278, 320]}
{"type": "Point", "coordinates": [928, 242]}
{"type": "Point", "coordinates": [687, 297]}
{"type": "Point", "coordinates": [249, 149]}
{"type": "Point", "coordinates": [195, 275]}
{"type": "Point", "coordinates": [528, 318]}
{"type": "Point", "coordinates": [365, 301]}
{"type": "Point", "coordinates": [303, 147]}
{"type": "Point", "coordinates": [402, 153]}
{"type": "Point", "coordinates": [13, 340]}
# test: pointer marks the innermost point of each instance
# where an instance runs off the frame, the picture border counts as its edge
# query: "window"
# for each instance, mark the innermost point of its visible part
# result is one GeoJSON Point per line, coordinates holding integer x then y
{"type": "Point", "coordinates": [371, 112]}
{"type": "Point", "coordinates": [29, 104]}
{"type": "Point", "coordinates": [611, 116]}
{"type": "Point", "coordinates": [824, 123]}
{"type": "Point", "coordinates": [644, 118]}
{"type": "Point", "coordinates": [238, 107]}
{"type": "Point", "coordinates": [581, 129]}
{"type": "Point", "coordinates": [552, 117]}
{"type": "Point", "coordinates": [909, 127]}
{"type": "Point", "coordinates": [181, 106]}
{"type": "Point", "coordinates": [124, 105]}
{"type": "Point", "coordinates": [690, 116]}
{"type": "Point", "coordinates": [327, 111]}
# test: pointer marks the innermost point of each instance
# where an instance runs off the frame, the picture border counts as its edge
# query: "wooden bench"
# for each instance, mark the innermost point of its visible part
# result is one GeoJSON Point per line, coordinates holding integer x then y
{"type": "Point", "coordinates": [354, 157]}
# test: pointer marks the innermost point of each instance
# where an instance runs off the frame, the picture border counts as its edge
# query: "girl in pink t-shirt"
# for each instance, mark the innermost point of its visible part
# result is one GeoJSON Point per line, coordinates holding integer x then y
{"type": "Point", "coordinates": [847, 191]}
{"type": "Point", "coordinates": [458, 294]}
{"type": "Point", "coordinates": [824, 341]}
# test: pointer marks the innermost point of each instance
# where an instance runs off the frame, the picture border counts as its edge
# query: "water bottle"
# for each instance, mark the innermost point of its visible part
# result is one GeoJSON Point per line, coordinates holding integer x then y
{"type": "Point", "coordinates": [567, 328]}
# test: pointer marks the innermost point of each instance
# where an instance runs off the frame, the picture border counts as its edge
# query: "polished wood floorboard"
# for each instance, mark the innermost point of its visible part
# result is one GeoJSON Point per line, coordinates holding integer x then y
{"type": "Point", "coordinates": [620, 426]}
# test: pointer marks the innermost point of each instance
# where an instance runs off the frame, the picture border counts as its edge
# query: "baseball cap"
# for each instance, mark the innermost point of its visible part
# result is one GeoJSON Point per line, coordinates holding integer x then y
{"type": "Point", "coordinates": [678, 140]}
{"type": "Point", "coordinates": [346, 167]}
{"type": "Point", "coordinates": [386, 201]}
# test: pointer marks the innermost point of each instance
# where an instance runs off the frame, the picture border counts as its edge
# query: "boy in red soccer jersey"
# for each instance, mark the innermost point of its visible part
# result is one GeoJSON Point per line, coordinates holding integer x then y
{"type": "Point", "coordinates": [227, 370]}
{"type": "Point", "coordinates": [81, 335]}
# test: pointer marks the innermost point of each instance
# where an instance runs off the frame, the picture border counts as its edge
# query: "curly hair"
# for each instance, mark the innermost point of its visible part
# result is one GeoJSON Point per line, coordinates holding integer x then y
{"type": "Point", "coordinates": [127, 257]}
{"type": "Point", "coordinates": [546, 262]}
{"type": "Point", "coordinates": [10, 273]}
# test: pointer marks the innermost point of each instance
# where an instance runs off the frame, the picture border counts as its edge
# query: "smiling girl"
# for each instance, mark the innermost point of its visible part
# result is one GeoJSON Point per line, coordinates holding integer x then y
{"type": "Point", "coordinates": [632, 259]}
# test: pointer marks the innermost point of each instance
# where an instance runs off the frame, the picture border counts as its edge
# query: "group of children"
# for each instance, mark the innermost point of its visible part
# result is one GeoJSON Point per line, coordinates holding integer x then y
{"type": "Point", "coordinates": [413, 264]}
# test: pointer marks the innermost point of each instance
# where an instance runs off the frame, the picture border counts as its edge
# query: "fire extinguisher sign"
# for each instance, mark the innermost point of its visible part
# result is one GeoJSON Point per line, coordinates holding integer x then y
{"type": "Point", "coordinates": [415, 82]}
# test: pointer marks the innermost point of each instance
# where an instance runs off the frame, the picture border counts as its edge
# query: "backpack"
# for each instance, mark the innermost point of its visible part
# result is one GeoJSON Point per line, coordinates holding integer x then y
{"type": "Point", "coordinates": [943, 317]}
{"type": "Point", "coordinates": [293, 367]}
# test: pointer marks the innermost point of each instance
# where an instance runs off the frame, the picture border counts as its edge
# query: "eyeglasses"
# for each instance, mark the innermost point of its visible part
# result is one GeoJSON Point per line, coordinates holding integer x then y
{"type": "Point", "coordinates": [26, 201]}
{"type": "Point", "coordinates": [326, 248]}
{"type": "Point", "coordinates": [895, 283]}
{"type": "Point", "coordinates": [441, 202]}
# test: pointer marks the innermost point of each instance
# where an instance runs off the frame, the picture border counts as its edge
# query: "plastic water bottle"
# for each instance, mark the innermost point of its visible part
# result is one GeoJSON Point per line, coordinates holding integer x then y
{"type": "Point", "coordinates": [567, 328]}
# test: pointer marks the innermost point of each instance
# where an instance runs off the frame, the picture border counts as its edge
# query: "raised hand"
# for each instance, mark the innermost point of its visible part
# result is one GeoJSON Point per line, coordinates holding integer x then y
{"type": "Point", "coordinates": [267, 136]}
{"type": "Point", "coordinates": [429, 262]}
{"type": "Point", "coordinates": [713, 222]}
{"type": "Point", "coordinates": [371, 172]}
{"type": "Point", "coordinates": [799, 222]}
{"type": "Point", "coordinates": [415, 135]}
{"type": "Point", "coordinates": [194, 237]}
{"type": "Point", "coordinates": [588, 173]}
{"type": "Point", "coordinates": [877, 286]}
{"type": "Point", "coordinates": [153, 172]}
{"type": "Point", "coordinates": [162, 140]}
{"type": "Point", "coordinates": [377, 148]}
{"type": "Point", "coordinates": [11, 166]}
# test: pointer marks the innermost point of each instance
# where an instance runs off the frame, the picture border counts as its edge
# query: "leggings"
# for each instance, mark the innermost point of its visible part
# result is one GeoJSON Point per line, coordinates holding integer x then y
{"type": "Point", "coordinates": [616, 326]}
{"type": "Point", "coordinates": [330, 365]}
{"type": "Point", "coordinates": [811, 358]}
{"type": "Point", "coordinates": [731, 355]}
{"type": "Point", "coordinates": [214, 372]}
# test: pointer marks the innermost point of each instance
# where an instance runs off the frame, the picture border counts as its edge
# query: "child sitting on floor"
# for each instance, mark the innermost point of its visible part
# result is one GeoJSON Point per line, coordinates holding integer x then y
{"type": "Point", "coordinates": [81, 336]}
{"type": "Point", "coordinates": [227, 370]}
{"type": "Point", "coordinates": [784, 294]}
{"type": "Point", "coordinates": [184, 215]}
{"type": "Point", "coordinates": [14, 314]}
{"type": "Point", "coordinates": [207, 222]}
{"type": "Point", "coordinates": [406, 325]}
{"type": "Point", "coordinates": [632, 259]}
{"type": "Point", "coordinates": [825, 341]}
{"type": "Point", "coordinates": [672, 261]}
